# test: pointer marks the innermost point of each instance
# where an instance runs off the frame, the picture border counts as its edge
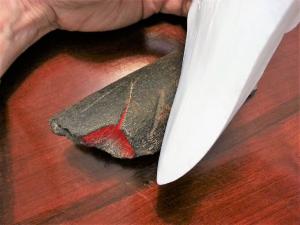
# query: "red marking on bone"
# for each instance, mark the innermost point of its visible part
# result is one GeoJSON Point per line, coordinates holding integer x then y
{"type": "Point", "coordinates": [113, 135]}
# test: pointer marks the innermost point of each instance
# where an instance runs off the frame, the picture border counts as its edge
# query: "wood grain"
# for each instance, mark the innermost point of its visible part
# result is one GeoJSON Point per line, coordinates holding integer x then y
{"type": "Point", "coordinates": [250, 176]}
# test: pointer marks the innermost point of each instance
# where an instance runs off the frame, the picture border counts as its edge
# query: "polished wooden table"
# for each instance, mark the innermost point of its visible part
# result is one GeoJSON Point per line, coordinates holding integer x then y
{"type": "Point", "coordinates": [250, 176]}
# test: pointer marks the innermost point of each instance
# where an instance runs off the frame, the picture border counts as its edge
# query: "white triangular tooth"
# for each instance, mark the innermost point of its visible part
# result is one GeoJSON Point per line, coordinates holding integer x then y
{"type": "Point", "coordinates": [229, 44]}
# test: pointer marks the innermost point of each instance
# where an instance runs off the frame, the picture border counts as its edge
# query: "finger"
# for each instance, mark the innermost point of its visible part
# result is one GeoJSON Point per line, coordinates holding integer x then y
{"type": "Point", "coordinates": [176, 7]}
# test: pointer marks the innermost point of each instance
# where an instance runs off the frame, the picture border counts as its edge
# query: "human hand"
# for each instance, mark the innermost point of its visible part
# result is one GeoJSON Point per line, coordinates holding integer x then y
{"type": "Point", "coordinates": [22, 22]}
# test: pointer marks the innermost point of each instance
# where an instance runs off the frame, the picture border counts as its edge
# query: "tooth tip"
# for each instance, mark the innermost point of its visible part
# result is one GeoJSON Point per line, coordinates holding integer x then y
{"type": "Point", "coordinates": [165, 176]}
{"type": "Point", "coordinates": [163, 181]}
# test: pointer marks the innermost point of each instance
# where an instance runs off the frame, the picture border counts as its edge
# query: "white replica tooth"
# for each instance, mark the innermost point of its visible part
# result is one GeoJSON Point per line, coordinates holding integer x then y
{"type": "Point", "coordinates": [229, 44]}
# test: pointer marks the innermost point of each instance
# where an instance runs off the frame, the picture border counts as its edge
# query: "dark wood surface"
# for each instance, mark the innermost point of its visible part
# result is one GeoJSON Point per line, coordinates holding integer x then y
{"type": "Point", "coordinates": [251, 175]}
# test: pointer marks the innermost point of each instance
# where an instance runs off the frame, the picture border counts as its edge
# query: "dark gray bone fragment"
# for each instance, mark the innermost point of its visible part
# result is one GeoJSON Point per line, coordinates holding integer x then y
{"type": "Point", "coordinates": [127, 119]}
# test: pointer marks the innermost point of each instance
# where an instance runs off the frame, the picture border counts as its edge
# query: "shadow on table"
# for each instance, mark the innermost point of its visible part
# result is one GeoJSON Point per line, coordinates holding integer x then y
{"type": "Point", "coordinates": [6, 191]}
{"type": "Point", "coordinates": [139, 171]}
{"type": "Point", "coordinates": [178, 201]}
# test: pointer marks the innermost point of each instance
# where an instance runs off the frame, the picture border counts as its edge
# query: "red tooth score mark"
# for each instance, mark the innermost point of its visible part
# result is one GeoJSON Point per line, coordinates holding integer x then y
{"type": "Point", "coordinates": [113, 135]}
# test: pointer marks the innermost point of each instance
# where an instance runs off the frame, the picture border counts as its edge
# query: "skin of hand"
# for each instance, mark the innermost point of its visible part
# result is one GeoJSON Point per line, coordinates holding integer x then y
{"type": "Point", "coordinates": [23, 22]}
